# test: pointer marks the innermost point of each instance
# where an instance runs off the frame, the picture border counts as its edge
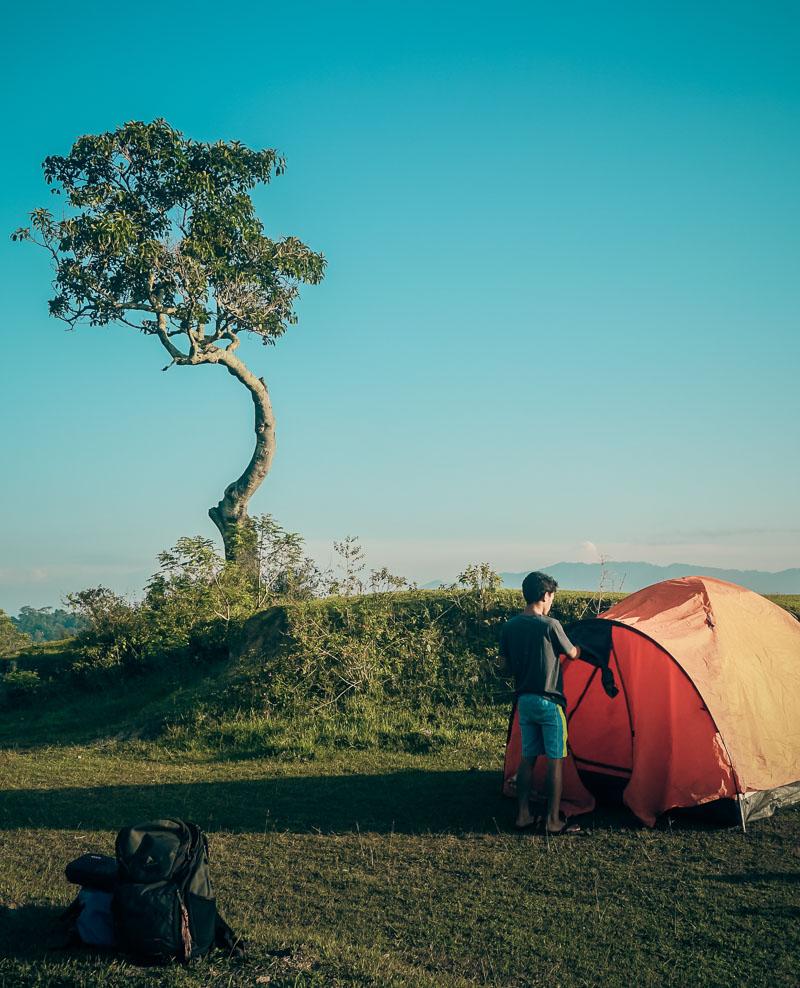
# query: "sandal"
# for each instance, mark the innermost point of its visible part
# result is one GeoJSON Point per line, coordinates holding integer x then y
{"type": "Point", "coordinates": [568, 830]}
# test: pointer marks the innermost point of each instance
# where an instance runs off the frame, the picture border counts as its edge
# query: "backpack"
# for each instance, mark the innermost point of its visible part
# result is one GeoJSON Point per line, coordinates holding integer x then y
{"type": "Point", "coordinates": [163, 904]}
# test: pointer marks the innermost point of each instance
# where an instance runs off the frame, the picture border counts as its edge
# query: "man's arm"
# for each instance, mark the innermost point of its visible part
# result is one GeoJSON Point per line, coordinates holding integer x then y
{"type": "Point", "coordinates": [563, 644]}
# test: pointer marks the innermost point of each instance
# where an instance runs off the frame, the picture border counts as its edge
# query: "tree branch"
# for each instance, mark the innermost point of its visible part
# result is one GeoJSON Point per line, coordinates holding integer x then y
{"type": "Point", "coordinates": [178, 357]}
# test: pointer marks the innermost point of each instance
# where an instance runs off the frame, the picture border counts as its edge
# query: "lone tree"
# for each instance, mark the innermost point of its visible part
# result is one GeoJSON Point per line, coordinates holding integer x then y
{"type": "Point", "coordinates": [161, 235]}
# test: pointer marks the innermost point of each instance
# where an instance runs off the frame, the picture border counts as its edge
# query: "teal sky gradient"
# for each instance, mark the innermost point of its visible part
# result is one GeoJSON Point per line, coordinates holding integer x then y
{"type": "Point", "coordinates": [561, 307]}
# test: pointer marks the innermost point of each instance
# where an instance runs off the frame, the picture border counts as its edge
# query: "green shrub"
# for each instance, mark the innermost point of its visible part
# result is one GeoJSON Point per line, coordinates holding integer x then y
{"type": "Point", "coordinates": [12, 640]}
{"type": "Point", "coordinates": [20, 686]}
{"type": "Point", "coordinates": [423, 648]}
{"type": "Point", "coordinates": [188, 609]}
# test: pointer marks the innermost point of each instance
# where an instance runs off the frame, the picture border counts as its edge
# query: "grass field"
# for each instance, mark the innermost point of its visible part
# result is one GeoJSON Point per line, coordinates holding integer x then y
{"type": "Point", "coordinates": [369, 845]}
{"type": "Point", "coordinates": [371, 868]}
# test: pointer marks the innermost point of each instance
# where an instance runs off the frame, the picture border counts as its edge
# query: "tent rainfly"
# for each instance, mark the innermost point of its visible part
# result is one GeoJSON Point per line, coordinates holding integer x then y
{"type": "Point", "coordinates": [707, 705]}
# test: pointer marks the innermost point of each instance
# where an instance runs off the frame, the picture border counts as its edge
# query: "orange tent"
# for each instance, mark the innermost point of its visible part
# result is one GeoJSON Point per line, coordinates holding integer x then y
{"type": "Point", "coordinates": [708, 704]}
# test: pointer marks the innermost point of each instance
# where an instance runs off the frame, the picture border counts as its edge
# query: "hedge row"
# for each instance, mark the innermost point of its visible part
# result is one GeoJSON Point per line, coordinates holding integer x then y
{"type": "Point", "coordinates": [420, 647]}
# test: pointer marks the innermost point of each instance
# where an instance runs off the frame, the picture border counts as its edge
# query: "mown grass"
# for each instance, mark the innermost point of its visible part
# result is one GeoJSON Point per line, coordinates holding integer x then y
{"type": "Point", "coordinates": [367, 867]}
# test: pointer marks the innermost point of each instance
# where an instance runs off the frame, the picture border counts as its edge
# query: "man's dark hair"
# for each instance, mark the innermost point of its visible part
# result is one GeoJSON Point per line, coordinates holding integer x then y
{"type": "Point", "coordinates": [536, 585]}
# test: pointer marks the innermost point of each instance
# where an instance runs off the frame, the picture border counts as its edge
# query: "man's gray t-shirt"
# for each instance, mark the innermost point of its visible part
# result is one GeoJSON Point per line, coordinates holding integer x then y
{"type": "Point", "coordinates": [531, 645]}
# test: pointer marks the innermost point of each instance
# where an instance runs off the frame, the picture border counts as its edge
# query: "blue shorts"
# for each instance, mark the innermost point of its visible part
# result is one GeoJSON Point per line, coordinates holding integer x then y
{"type": "Point", "coordinates": [543, 727]}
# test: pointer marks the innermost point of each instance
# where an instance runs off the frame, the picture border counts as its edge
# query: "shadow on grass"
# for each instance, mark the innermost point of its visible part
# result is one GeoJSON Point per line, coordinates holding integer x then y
{"type": "Point", "coordinates": [404, 802]}
{"type": "Point", "coordinates": [31, 930]}
{"type": "Point", "coordinates": [410, 802]}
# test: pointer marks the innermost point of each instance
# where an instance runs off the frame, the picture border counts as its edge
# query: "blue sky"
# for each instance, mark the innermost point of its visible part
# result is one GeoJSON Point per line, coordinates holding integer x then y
{"type": "Point", "coordinates": [561, 307]}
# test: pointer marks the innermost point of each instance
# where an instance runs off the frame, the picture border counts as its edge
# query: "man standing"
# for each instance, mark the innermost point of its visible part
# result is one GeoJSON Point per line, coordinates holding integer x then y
{"type": "Point", "coordinates": [530, 646]}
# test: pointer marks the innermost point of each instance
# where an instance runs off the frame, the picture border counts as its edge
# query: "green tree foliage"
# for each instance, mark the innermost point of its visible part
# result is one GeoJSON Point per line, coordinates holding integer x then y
{"type": "Point", "coordinates": [12, 640]}
{"type": "Point", "coordinates": [383, 581]}
{"type": "Point", "coordinates": [350, 566]}
{"type": "Point", "coordinates": [165, 227]}
{"type": "Point", "coordinates": [48, 624]}
{"type": "Point", "coordinates": [193, 602]}
{"type": "Point", "coordinates": [116, 636]}
{"type": "Point", "coordinates": [481, 580]}
{"type": "Point", "coordinates": [195, 586]}
{"type": "Point", "coordinates": [99, 608]}
{"type": "Point", "coordinates": [160, 234]}
{"type": "Point", "coordinates": [282, 568]}
{"type": "Point", "coordinates": [480, 577]}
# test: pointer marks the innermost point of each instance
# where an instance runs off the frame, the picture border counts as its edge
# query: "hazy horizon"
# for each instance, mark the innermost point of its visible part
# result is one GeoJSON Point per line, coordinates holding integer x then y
{"type": "Point", "coordinates": [46, 589]}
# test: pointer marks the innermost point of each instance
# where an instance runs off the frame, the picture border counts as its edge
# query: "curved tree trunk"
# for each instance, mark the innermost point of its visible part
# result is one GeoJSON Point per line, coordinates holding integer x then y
{"type": "Point", "coordinates": [230, 514]}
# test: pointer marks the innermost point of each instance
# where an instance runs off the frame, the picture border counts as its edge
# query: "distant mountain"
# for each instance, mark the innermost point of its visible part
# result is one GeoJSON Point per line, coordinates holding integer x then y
{"type": "Point", "coordinates": [630, 576]}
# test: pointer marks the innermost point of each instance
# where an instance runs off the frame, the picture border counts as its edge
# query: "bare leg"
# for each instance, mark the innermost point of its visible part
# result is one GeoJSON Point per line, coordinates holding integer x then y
{"type": "Point", "coordinates": [555, 824]}
{"type": "Point", "coordinates": [524, 775]}
{"type": "Point", "coordinates": [554, 774]}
